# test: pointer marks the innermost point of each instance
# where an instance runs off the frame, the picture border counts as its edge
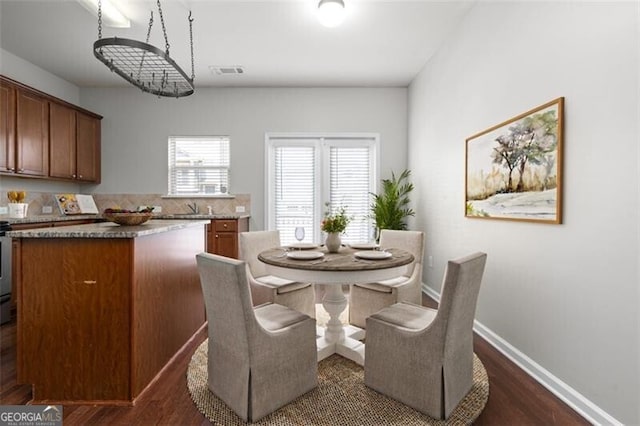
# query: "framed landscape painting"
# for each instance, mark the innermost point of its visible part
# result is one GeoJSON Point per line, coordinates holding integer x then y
{"type": "Point", "coordinates": [514, 170]}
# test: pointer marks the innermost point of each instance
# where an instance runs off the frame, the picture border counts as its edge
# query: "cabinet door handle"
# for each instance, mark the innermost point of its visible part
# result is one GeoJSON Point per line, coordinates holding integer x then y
{"type": "Point", "coordinates": [90, 281]}
{"type": "Point", "coordinates": [216, 235]}
{"type": "Point", "coordinates": [73, 176]}
{"type": "Point", "coordinates": [79, 176]}
{"type": "Point", "coordinates": [225, 225]}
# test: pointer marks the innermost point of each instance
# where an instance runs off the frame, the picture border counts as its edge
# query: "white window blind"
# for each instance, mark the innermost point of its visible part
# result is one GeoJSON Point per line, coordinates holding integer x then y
{"type": "Point", "coordinates": [198, 165]}
{"type": "Point", "coordinates": [306, 173]}
{"type": "Point", "coordinates": [294, 191]}
{"type": "Point", "coordinates": [350, 186]}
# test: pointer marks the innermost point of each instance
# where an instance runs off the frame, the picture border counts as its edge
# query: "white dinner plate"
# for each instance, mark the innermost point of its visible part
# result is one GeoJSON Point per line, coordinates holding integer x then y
{"type": "Point", "coordinates": [305, 255]}
{"type": "Point", "coordinates": [303, 246]}
{"type": "Point", "coordinates": [364, 246]}
{"type": "Point", "coordinates": [372, 255]}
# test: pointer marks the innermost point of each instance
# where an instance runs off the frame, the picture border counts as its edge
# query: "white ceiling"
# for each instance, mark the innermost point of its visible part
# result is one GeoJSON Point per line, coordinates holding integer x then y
{"type": "Point", "coordinates": [278, 42]}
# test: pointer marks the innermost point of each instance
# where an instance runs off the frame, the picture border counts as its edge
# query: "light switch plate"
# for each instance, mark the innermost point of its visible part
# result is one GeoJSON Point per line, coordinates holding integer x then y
{"type": "Point", "coordinates": [47, 209]}
{"type": "Point", "coordinates": [239, 209]}
{"type": "Point", "coordinates": [4, 210]}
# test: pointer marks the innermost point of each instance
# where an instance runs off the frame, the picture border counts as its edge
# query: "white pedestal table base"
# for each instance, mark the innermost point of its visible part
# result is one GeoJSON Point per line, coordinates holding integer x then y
{"type": "Point", "coordinates": [336, 337]}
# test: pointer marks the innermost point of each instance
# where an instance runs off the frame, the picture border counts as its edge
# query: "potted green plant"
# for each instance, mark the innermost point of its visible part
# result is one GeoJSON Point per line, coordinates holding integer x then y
{"type": "Point", "coordinates": [390, 208]}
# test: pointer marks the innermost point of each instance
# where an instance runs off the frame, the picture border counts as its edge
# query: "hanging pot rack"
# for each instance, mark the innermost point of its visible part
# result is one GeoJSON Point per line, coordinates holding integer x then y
{"type": "Point", "coordinates": [144, 65]}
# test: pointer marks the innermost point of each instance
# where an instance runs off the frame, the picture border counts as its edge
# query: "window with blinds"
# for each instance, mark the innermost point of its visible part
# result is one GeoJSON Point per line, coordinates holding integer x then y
{"type": "Point", "coordinates": [306, 176]}
{"type": "Point", "coordinates": [294, 191]}
{"type": "Point", "coordinates": [350, 186]}
{"type": "Point", "coordinates": [198, 165]}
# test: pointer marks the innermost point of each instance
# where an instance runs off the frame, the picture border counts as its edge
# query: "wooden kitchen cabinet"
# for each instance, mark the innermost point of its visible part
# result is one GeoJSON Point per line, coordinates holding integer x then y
{"type": "Point", "coordinates": [43, 136]}
{"type": "Point", "coordinates": [32, 134]}
{"type": "Point", "coordinates": [62, 160]}
{"type": "Point", "coordinates": [15, 248]}
{"type": "Point", "coordinates": [222, 236]}
{"type": "Point", "coordinates": [24, 131]}
{"type": "Point", "coordinates": [82, 316]}
{"type": "Point", "coordinates": [7, 127]}
{"type": "Point", "coordinates": [74, 144]}
{"type": "Point", "coordinates": [88, 142]}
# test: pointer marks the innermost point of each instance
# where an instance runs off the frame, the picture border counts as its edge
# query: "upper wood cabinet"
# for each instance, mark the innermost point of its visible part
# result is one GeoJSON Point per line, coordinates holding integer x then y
{"type": "Point", "coordinates": [42, 136]}
{"type": "Point", "coordinates": [88, 136]}
{"type": "Point", "coordinates": [7, 127]}
{"type": "Point", "coordinates": [62, 158]}
{"type": "Point", "coordinates": [24, 131]}
{"type": "Point", "coordinates": [32, 134]}
{"type": "Point", "coordinates": [74, 145]}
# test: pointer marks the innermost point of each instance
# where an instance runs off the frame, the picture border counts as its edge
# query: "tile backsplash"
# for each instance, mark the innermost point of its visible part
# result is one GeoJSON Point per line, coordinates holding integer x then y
{"type": "Point", "coordinates": [219, 205]}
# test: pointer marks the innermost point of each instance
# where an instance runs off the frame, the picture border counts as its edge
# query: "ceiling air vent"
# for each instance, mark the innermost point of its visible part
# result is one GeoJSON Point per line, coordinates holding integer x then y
{"type": "Point", "coordinates": [227, 70]}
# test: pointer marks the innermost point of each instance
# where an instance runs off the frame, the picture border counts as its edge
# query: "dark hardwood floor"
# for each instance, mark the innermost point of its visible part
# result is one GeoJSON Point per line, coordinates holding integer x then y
{"type": "Point", "coordinates": [514, 397]}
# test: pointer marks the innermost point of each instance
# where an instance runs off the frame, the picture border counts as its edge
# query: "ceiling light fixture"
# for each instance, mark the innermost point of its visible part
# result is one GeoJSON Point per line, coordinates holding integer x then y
{"type": "Point", "coordinates": [331, 13]}
{"type": "Point", "coordinates": [111, 16]}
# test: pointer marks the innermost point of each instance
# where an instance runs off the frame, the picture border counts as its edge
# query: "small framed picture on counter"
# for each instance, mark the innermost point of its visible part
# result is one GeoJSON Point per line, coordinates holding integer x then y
{"type": "Point", "coordinates": [70, 204]}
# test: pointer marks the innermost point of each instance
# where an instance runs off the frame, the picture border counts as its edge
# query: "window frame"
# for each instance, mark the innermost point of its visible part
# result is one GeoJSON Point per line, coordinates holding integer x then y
{"type": "Point", "coordinates": [322, 142]}
{"type": "Point", "coordinates": [172, 167]}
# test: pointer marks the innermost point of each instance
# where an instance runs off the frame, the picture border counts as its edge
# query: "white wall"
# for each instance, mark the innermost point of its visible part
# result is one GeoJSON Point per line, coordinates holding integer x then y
{"type": "Point", "coordinates": [136, 126]}
{"type": "Point", "coordinates": [566, 296]}
{"type": "Point", "coordinates": [25, 72]}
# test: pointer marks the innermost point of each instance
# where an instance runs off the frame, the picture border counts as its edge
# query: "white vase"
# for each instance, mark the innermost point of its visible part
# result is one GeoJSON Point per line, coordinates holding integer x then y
{"type": "Point", "coordinates": [18, 210]}
{"type": "Point", "coordinates": [333, 242]}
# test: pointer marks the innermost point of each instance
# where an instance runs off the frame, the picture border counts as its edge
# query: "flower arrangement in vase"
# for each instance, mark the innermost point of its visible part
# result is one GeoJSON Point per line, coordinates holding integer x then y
{"type": "Point", "coordinates": [17, 206]}
{"type": "Point", "coordinates": [334, 224]}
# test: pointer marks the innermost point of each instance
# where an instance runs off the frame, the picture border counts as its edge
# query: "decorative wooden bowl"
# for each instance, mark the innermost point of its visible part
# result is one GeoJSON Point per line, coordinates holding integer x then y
{"type": "Point", "coordinates": [128, 219]}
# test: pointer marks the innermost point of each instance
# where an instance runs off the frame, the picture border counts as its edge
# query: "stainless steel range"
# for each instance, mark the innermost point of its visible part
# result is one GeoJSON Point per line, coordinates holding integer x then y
{"type": "Point", "coordinates": [5, 273]}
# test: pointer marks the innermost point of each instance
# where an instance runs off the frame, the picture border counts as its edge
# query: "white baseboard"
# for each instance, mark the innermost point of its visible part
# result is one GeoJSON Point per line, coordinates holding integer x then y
{"type": "Point", "coordinates": [574, 399]}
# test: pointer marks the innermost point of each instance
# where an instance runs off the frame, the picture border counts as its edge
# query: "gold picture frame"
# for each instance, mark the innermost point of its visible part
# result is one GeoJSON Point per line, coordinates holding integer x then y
{"type": "Point", "coordinates": [513, 171]}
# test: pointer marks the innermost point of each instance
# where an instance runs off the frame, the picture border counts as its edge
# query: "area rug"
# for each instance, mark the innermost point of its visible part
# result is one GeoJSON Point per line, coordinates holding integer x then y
{"type": "Point", "coordinates": [341, 398]}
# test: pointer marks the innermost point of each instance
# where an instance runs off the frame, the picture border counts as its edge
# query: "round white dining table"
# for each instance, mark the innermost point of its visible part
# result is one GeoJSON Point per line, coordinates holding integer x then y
{"type": "Point", "coordinates": [348, 266]}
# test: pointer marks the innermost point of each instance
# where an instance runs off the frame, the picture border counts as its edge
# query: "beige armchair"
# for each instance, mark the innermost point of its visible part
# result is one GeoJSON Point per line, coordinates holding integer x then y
{"type": "Point", "coordinates": [424, 357]}
{"type": "Point", "coordinates": [259, 359]}
{"type": "Point", "coordinates": [365, 299]}
{"type": "Point", "coordinates": [269, 288]}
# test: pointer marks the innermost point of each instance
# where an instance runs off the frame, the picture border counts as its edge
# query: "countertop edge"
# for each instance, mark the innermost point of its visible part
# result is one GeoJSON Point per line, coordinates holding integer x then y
{"type": "Point", "coordinates": [160, 216]}
{"type": "Point", "coordinates": [108, 229]}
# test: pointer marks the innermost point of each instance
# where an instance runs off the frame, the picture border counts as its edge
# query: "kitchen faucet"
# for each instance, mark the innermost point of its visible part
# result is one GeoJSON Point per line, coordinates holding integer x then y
{"type": "Point", "coordinates": [193, 208]}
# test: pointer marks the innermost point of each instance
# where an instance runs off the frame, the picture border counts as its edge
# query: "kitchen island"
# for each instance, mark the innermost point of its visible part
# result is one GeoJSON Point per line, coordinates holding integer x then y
{"type": "Point", "coordinates": [103, 308]}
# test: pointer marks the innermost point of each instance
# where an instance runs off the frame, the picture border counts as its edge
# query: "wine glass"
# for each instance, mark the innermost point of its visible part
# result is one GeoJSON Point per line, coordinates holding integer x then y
{"type": "Point", "coordinates": [299, 233]}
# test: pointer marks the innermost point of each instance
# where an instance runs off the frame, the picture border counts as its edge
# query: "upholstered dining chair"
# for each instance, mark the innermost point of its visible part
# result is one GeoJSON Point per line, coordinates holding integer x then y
{"type": "Point", "coordinates": [259, 358]}
{"type": "Point", "coordinates": [367, 298]}
{"type": "Point", "coordinates": [269, 288]}
{"type": "Point", "coordinates": [424, 357]}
